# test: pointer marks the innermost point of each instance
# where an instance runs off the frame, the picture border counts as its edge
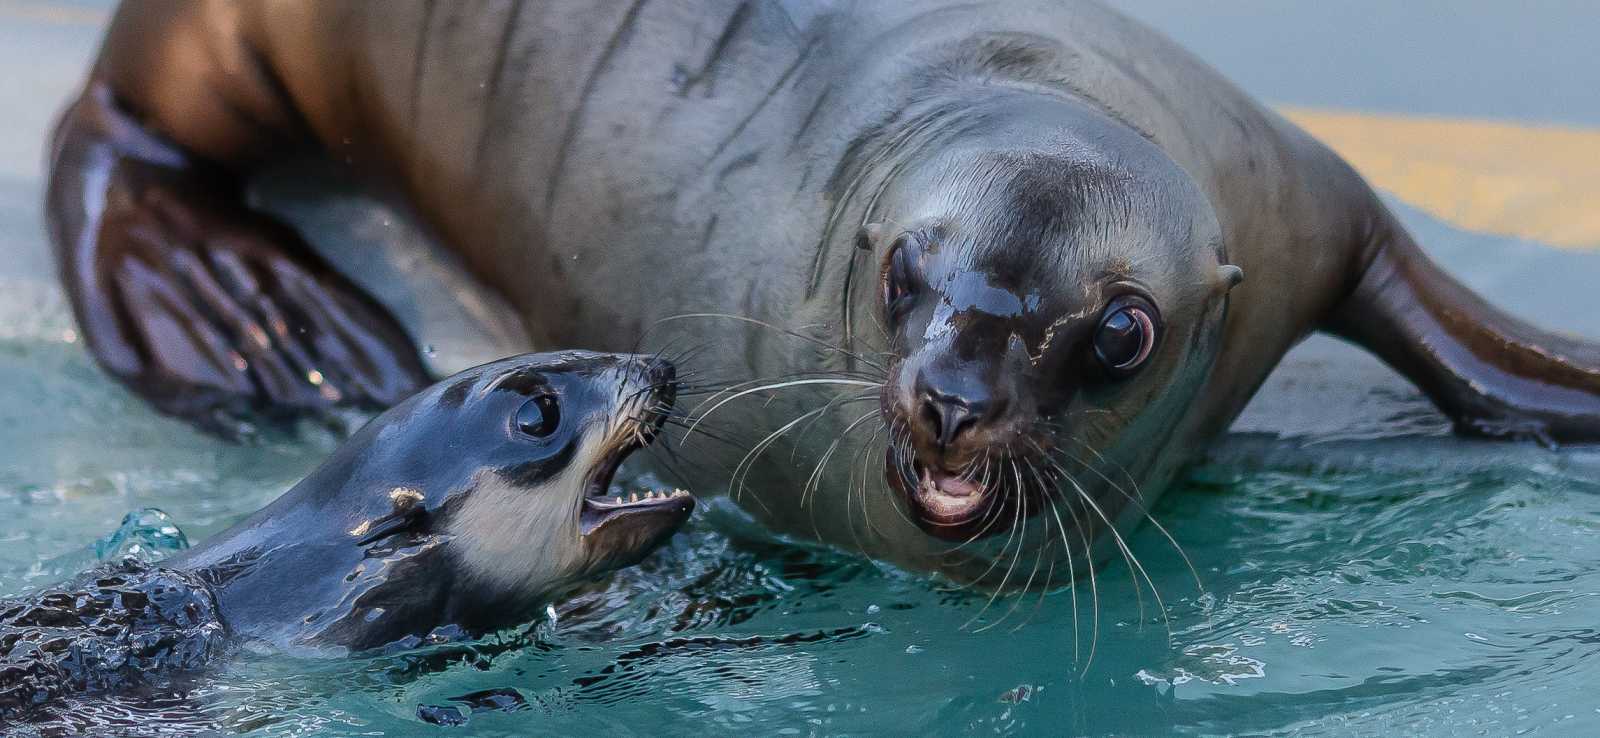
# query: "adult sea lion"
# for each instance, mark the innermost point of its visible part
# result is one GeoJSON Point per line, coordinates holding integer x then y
{"type": "Point", "coordinates": [459, 511]}
{"type": "Point", "coordinates": [1017, 228]}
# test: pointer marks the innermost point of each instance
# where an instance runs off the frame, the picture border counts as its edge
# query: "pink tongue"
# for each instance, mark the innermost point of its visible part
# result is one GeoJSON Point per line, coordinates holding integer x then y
{"type": "Point", "coordinates": [951, 484]}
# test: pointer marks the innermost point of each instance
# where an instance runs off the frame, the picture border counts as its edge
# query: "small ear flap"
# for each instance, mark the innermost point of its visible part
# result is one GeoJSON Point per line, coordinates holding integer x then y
{"type": "Point", "coordinates": [1228, 277]}
{"type": "Point", "coordinates": [406, 512]}
{"type": "Point", "coordinates": [386, 526]}
{"type": "Point", "coordinates": [868, 237]}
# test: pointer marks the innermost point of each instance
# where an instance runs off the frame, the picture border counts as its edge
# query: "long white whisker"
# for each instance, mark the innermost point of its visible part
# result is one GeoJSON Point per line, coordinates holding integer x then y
{"type": "Point", "coordinates": [1094, 582]}
{"type": "Point", "coordinates": [1136, 499]}
{"type": "Point", "coordinates": [816, 474]}
{"type": "Point", "coordinates": [1072, 574]}
{"type": "Point", "coordinates": [1016, 527]}
{"type": "Point", "coordinates": [1127, 553]}
{"type": "Point", "coordinates": [774, 386]}
{"type": "Point", "coordinates": [745, 464]}
{"type": "Point", "coordinates": [1038, 556]}
{"type": "Point", "coordinates": [779, 329]}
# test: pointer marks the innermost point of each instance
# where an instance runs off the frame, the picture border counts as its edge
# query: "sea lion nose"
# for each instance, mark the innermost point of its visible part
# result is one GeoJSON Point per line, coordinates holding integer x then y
{"type": "Point", "coordinates": [947, 418]}
{"type": "Point", "coordinates": [950, 413]}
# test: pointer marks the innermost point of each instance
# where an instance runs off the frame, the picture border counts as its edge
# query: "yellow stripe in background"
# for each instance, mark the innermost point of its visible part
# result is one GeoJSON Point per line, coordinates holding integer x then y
{"type": "Point", "coordinates": [1539, 182]}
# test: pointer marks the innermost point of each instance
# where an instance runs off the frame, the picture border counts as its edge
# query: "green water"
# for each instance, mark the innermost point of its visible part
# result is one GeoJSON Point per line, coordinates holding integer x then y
{"type": "Point", "coordinates": [1407, 585]}
{"type": "Point", "coordinates": [1360, 572]}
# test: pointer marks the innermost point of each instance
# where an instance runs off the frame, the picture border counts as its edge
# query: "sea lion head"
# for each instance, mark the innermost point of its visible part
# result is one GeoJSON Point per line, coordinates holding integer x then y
{"type": "Point", "coordinates": [494, 486]}
{"type": "Point", "coordinates": [534, 510]}
{"type": "Point", "coordinates": [1052, 287]}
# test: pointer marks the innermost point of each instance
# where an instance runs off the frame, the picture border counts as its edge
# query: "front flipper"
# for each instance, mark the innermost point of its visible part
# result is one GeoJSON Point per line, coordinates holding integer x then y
{"type": "Point", "coordinates": [211, 311]}
{"type": "Point", "coordinates": [1493, 374]}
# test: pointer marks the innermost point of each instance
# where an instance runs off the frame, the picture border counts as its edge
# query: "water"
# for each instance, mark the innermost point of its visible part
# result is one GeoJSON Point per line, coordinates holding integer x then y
{"type": "Point", "coordinates": [1360, 571]}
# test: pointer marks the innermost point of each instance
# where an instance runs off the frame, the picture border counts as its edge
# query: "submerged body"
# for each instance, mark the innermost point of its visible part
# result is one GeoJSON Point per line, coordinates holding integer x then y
{"type": "Point", "coordinates": [460, 511]}
{"type": "Point", "coordinates": [1014, 234]}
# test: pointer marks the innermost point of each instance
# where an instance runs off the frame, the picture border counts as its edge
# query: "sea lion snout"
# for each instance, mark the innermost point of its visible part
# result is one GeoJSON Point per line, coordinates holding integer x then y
{"type": "Point", "coordinates": [964, 416]}
{"type": "Point", "coordinates": [954, 415]}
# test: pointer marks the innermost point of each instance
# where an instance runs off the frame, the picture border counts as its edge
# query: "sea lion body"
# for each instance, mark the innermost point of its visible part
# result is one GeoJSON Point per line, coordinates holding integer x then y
{"type": "Point", "coordinates": [608, 166]}
{"type": "Point", "coordinates": [445, 517]}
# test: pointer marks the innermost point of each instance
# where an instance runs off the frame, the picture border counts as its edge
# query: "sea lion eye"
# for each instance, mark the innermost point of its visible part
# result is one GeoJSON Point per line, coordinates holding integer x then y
{"type": "Point", "coordinates": [1126, 336]}
{"type": "Point", "coordinates": [899, 278]}
{"type": "Point", "coordinates": [540, 416]}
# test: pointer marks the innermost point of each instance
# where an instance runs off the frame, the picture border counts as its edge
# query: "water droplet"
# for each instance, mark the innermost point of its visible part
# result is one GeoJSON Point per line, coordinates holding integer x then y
{"type": "Point", "coordinates": [147, 534]}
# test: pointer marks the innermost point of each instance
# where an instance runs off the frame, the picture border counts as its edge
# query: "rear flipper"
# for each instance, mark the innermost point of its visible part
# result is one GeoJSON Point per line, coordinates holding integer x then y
{"type": "Point", "coordinates": [210, 311]}
{"type": "Point", "coordinates": [1493, 374]}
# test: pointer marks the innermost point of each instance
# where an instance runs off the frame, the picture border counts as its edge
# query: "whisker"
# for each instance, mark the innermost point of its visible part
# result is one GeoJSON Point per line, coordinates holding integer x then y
{"type": "Point", "coordinates": [713, 435]}
{"type": "Point", "coordinates": [1038, 555]}
{"type": "Point", "coordinates": [1127, 554]}
{"type": "Point", "coordinates": [815, 479]}
{"type": "Point", "coordinates": [900, 447]}
{"type": "Point", "coordinates": [1016, 528]}
{"type": "Point", "coordinates": [839, 400]}
{"type": "Point", "coordinates": [1094, 584]}
{"type": "Point", "coordinates": [779, 385]}
{"type": "Point", "coordinates": [785, 331]}
{"type": "Point", "coordinates": [741, 471]}
{"type": "Point", "coordinates": [1135, 498]}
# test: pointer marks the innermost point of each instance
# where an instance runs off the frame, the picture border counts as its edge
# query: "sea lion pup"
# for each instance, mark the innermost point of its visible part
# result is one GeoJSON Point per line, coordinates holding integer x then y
{"type": "Point", "coordinates": [1058, 251]}
{"type": "Point", "coordinates": [459, 511]}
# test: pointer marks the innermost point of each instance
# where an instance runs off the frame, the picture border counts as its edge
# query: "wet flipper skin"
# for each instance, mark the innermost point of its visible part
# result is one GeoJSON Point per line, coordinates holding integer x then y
{"type": "Point", "coordinates": [1493, 374]}
{"type": "Point", "coordinates": [211, 311]}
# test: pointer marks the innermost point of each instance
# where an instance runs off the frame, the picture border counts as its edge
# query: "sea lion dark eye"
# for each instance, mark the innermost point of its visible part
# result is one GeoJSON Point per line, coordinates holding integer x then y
{"type": "Point", "coordinates": [899, 278]}
{"type": "Point", "coordinates": [540, 416]}
{"type": "Point", "coordinates": [1126, 336]}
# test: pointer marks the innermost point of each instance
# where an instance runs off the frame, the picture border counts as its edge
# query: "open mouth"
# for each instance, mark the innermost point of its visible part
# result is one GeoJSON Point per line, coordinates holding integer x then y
{"type": "Point", "coordinates": [958, 506]}
{"type": "Point", "coordinates": [600, 506]}
{"type": "Point", "coordinates": [949, 499]}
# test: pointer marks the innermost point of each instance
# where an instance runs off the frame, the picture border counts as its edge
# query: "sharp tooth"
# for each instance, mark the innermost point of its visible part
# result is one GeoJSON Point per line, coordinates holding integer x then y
{"type": "Point", "coordinates": [633, 497]}
{"type": "Point", "coordinates": [619, 499]}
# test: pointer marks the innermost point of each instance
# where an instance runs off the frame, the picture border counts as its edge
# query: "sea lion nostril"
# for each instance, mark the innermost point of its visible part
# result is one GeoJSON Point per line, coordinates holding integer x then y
{"type": "Point", "coordinates": [948, 417]}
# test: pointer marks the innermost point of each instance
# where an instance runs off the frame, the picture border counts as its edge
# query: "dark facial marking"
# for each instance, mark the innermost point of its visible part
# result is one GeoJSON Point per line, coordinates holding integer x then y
{"type": "Point", "coordinates": [528, 382]}
{"type": "Point", "coordinates": [531, 473]}
{"type": "Point", "coordinates": [456, 394]}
